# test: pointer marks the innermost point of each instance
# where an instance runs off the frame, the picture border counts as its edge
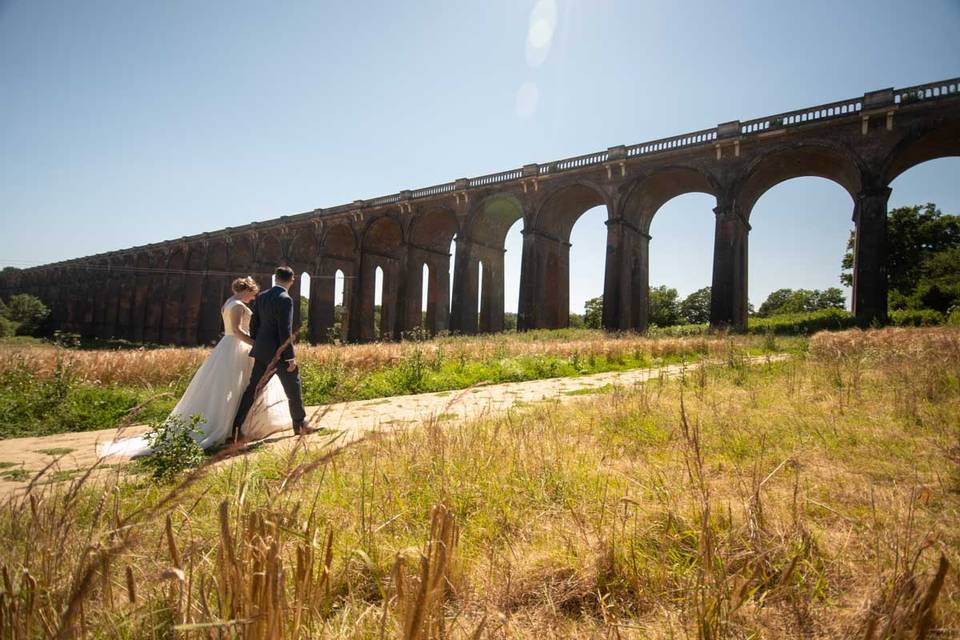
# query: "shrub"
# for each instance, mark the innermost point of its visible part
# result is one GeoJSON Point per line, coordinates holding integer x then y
{"type": "Point", "coordinates": [916, 318]}
{"type": "Point", "coordinates": [803, 323]}
{"type": "Point", "coordinates": [174, 448]}
{"type": "Point", "coordinates": [8, 328]}
{"type": "Point", "coordinates": [28, 312]}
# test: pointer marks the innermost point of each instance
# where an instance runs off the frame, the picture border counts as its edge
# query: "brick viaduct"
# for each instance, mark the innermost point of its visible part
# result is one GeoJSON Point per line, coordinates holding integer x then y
{"type": "Point", "coordinates": [171, 292]}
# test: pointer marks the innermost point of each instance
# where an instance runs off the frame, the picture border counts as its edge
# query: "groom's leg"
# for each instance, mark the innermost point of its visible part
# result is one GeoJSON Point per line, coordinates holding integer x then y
{"type": "Point", "coordinates": [293, 388]}
{"type": "Point", "coordinates": [259, 368]}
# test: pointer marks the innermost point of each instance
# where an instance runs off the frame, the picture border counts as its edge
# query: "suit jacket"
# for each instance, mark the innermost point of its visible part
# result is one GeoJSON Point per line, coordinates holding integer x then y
{"type": "Point", "coordinates": [271, 324]}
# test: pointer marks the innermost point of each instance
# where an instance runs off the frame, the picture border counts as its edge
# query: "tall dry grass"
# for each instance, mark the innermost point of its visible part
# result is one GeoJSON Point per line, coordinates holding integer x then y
{"type": "Point", "coordinates": [163, 366]}
{"type": "Point", "coordinates": [789, 500]}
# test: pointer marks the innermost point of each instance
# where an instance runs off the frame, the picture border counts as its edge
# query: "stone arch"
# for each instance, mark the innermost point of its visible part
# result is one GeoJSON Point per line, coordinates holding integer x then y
{"type": "Point", "coordinates": [941, 140]}
{"type": "Point", "coordinates": [481, 241]}
{"type": "Point", "coordinates": [430, 234]}
{"type": "Point", "coordinates": [270, 255]}
{"type": "Point", "coordinates": [339, 240]}
{"type": "Point", "coordinates": [560, 208]}
{"type": "Point", "coordinates": [301, 255]}
{"type": "Point", "coordinates": [492, 217]}
{"type": "Point", "coordinates": [173, 296]}
{"type": "Point", "coordinates": [155, 296]}
{"type": "Point", "coordinates": [646, 195]}
{"type": "Point", "coordinates": [627, 283]}
{"type": "Point", "coordinates": [545, 273]}
{"type": "Point", "coordinates": [338, 252]}
{"type": "Point", "coordinates": [141, 286]}
{"type": "Point", "coordinates": [381, 247]}
{"type": "Point", "coordinates": [216, 289]}
{"type": "Point", "coordinates": [241, 252]}
{"type": "Point", "coordinates": [809, 159]}
{"type": "Point", "coordinates": [126, 280]}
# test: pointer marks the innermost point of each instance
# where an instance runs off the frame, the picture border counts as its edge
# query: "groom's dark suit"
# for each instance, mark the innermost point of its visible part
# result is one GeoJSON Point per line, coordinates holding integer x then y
{"type": "Point", "coordinates": [270, 327]}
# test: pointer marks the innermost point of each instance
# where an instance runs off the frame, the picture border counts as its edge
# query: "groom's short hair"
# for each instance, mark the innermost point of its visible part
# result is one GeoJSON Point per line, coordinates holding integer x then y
{"type": "Point", "coordinates": [283, 274]}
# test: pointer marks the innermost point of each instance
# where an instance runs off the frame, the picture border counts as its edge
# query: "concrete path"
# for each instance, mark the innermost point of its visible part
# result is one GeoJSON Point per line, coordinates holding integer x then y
{"type": "Point", "coordinates": [21, 458]}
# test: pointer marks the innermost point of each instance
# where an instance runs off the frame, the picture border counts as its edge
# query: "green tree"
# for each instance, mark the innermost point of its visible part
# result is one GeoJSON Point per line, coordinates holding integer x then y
{"type": "Point", "coordinates": [28, 312]}
{"type": "Point", "coordinates": [784, 301]}
{"type": "Point", "coordinates": [923, 246]}
{"type": "Point", "coordinates": [593, 313]}
{"type": "Point", "coordinates": [695, 308]}
{"type": "Point", "coordinates": [664, 306]}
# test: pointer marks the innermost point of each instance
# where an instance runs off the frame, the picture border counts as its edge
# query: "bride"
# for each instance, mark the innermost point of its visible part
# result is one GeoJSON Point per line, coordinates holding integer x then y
{"type": "Point", "coordinates": [215, 391]}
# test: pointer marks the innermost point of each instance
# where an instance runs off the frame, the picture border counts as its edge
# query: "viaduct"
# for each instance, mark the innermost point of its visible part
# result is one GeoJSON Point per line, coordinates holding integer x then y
{"type": "Point", "coordinates": [171, 292]}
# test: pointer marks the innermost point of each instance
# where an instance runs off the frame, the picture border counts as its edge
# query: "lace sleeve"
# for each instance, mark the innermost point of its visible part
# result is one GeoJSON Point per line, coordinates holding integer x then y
{"type": "Point", "coordinates": [235, 316]}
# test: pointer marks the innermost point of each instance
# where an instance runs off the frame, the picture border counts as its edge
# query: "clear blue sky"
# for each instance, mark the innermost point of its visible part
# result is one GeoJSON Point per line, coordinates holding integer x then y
{"type": "Point", "coordinates": [124, 123]}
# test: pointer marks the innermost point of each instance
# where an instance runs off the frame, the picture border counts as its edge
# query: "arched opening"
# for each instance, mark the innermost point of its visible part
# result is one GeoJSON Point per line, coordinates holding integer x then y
{"type": "Point", "coordinates": [424, 293]}
{"type": "Point", "coordinates": [479, 293]}
{"type": "Point", "coordinates": [332, 285]}
{"type": "Point", "coordinates": [674, 197]}
{"type": "Point", "coordinates": [428, 254]}
{"type": "Point", "coordinates": [378, 316]}
{"type": "Point", "coordinates": [730, 279]}
{"type": "Point", "coordinates": [681, 260]}
{"type": "Point", "coordinates": [512, 264]}
{"type": "Point", "coordinates": [340, 311]}
{"type": "Point", "coordinates": [798, 236]}
{"type": "Point", "coordinates": [301, 321]}
{"type": "Point", "coordinates": [545, 278]}
{"type": "Point", "coordinates": [379, 331]}
{"type": "Point", "coordinates": [483, 242]}
{"type": "Point", "coordinates": [588, 241]}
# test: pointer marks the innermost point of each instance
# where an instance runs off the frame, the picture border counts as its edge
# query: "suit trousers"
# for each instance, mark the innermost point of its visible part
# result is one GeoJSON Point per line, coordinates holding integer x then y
{"type": "Point", "coordinates": [291, 386]}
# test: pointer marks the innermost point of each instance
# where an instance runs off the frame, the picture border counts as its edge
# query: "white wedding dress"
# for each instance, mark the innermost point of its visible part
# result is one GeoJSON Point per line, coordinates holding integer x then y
{"type": "Point", "coordinates": [215, 392]}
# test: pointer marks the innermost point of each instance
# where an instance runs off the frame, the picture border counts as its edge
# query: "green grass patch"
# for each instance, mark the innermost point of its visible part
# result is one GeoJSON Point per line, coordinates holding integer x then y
{"type": "Point", "coordinates": [586, 391]}
{"type": "Point", "coordinates": [56, 451]}
{"type": "Point", "coordinates": [16, 475]}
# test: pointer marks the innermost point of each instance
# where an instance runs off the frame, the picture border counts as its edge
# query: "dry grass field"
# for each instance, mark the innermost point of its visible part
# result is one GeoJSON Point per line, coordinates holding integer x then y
{"type": "Point", "coordinates": [162, 366]}
{"type": "Point", "coordinates": [813, 498]}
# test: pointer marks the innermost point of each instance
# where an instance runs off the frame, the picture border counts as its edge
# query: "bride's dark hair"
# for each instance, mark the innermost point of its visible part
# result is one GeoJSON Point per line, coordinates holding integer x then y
{"type": "Point", "coordinates": [243, 285]}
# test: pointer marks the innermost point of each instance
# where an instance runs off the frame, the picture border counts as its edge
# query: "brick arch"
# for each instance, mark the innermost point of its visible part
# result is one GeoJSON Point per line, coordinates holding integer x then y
{"type": "Point", "coordinates": [381, 246]}
{"type": "Point", "coordinates": [216, 289]}
{"type": "Point", "coordinates": [339, 239]}
{"type": "Point", "coordinates": [304, 249]}
{"type": "Point", "coordinates": [434, 228]}
{"type": "Point", "coordinates": [645, 196]}
{"type": "Point", "coordinates": [562, 207]}
{"type": "Point", "coordinates": [382, 234]}
{"type": "Point", "coordinates": [173, 296]}
{"type": "Point", "coordinates": [491, 218]}
{"type": "Point", "coordinates": [940, 140]}
{"type": "Point", "coordinates": [270, 255]}
{"type": "Point", "coordinates": [809, 159]}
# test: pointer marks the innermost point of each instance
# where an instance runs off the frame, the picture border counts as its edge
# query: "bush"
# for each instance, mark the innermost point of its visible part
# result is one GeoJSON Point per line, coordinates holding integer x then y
{"type": "Point", "coordinates": [8, 328]}
{"type": "Point", "coordinates": [28, 312]}
{"type": "Point", "coordinates": [916, 318]}
{"type": "Point", "coordinates": [803, 323]}
{"type": "Point", "coordinates": [173, 446]}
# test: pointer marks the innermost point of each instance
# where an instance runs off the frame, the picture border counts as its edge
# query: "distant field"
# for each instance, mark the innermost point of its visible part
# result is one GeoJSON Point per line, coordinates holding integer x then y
{"type": "Point", "coordinates": [46, 389]}
{"type": "Point", "coordinates": [815, 497]}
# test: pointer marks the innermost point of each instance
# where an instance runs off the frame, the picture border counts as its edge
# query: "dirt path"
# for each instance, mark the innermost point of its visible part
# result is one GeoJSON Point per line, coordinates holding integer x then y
{"type": "Point", "coordinates": [21, 458]}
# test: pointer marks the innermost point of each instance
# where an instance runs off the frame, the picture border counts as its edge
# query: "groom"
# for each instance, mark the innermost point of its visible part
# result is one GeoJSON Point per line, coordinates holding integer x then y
{"type": "Point", "coordinates": [271, 328]}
